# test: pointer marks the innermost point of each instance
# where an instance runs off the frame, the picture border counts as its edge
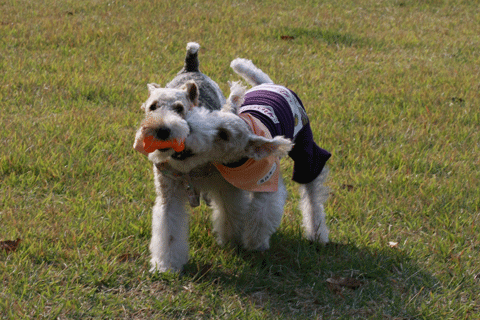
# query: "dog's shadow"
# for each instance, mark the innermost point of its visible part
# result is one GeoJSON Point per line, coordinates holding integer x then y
{"type": "Point", "coordinates": [296, 277]}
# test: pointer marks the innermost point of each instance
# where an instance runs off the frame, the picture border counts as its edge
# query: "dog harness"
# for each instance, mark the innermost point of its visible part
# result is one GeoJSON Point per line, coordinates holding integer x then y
{"type": "Point", "coordinates": [280, 112]}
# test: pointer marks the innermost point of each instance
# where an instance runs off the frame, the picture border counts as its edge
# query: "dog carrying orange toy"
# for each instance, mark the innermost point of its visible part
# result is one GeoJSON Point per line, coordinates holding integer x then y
{"type": "Point", "coordinates": [150, 144]}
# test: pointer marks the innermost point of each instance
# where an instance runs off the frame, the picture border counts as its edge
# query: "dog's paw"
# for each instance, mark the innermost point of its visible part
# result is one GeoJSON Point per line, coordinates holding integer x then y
{"type": "Point", "coordinates": [263, 247]}
{"type": "Point", "coordinates": [161, 267]}
{"type": "Point", "coordinates": [253, 244]}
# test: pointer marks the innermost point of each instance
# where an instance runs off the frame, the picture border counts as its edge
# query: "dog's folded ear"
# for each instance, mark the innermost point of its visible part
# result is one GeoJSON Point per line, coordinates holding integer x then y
{"type": "Point", "coordinates": [192, 91]}
{"type": "Point", "coordinates": [152, 86]}
{"type": "Point", "coordinates": [259, 147]}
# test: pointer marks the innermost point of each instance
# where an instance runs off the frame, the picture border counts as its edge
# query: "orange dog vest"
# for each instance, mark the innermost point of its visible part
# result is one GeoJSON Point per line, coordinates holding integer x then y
{"type": "Point", "coordinates": [253, 175]}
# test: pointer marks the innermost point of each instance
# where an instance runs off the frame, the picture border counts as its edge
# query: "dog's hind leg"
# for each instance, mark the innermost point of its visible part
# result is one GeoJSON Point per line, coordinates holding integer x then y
{"type": "Point", "coordinates": [263, 218]}
{"type": "Point", "coordinates": [312, 197]}
{"type": "Point", "coordinates": [169, 244]}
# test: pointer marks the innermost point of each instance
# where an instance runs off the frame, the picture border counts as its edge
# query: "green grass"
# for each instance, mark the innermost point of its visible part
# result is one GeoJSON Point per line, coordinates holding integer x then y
{"type": "Point", "coordinates": [392, 91]}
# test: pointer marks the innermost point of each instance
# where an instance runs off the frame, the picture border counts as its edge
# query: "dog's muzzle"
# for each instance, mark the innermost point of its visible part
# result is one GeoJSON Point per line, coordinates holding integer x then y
{"type": "Point", "coordinates": [185, 154]}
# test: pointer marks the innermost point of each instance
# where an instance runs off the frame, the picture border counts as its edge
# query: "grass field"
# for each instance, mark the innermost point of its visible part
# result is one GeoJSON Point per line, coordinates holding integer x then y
{"type": "Point", "coordinates": [392, 90]}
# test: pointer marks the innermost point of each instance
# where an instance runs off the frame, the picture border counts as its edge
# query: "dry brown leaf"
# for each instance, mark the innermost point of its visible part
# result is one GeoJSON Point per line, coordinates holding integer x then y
{"type": "Point", "coordinates": [346, 282]}
{"type": "Point", "coordinates": [393, 244]}
{"type": "Point", "coordinates": [10, 245]}
{"type": "Point", "coordinates": [349, 187]}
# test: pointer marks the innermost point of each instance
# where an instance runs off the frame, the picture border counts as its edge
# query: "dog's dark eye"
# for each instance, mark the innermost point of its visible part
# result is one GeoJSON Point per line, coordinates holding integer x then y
{"type": "Point", "coordinates": [223, 134]}
{"type": "Point", "coordinates": [178, 108]}
{"type": "Point", "coordinates": [153, 106]}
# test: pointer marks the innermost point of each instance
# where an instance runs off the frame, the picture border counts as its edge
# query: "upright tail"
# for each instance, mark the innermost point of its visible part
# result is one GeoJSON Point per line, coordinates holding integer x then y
{"type": "Point", "coordinates": [236, 98]}
{"type": "Point", "coordinates": [191, 58]}
{"type": "Point", "coordinates": [247, 70]}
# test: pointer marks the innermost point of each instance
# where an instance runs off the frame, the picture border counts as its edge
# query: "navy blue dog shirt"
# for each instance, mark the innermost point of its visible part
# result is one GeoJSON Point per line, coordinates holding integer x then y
{"type": "Point", "coordinates": [282, 112]}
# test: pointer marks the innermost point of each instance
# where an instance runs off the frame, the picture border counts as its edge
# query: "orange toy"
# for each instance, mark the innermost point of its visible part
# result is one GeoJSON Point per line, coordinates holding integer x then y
{"type": "Point", "coordinates": [151, 144]}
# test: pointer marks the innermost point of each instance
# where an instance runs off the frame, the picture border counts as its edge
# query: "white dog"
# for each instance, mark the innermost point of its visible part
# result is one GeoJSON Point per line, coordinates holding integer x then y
{"type": "Point", "coordinates": [233, 156]}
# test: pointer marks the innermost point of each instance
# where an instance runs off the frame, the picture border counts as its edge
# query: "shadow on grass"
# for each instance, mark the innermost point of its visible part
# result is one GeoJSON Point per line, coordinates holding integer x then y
{"type": "Point", "coordinates": [331, 37]}
{"type": "Point", "coordinates": [294, 279]}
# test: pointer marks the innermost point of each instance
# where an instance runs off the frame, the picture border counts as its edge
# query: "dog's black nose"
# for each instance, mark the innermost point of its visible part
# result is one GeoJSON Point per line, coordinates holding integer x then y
{"type": "Point", "coordinates": [162, 133]}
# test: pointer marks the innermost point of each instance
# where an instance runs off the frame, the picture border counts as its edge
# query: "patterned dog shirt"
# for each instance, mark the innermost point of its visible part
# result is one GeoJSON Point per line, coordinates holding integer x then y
{"type": "Point", "coordinates": [281, 112]}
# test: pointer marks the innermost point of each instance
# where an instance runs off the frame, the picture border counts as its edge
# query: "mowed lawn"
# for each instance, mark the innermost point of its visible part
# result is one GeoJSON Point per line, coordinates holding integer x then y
{"type": "Point", "coordinates": [392, 90]}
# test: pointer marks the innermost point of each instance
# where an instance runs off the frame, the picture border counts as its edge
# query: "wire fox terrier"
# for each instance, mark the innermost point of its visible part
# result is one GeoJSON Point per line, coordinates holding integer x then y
{"type": "Point", "coordinates": [167, 107]}
{"type": "Point", "coordinates": [232, 155]}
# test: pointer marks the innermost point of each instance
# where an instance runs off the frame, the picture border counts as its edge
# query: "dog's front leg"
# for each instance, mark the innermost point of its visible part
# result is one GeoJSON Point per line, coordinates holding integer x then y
{"type": "Point", "coordinates": [263, 218]}
{"type": "Point", "coordinates": [169, 244]}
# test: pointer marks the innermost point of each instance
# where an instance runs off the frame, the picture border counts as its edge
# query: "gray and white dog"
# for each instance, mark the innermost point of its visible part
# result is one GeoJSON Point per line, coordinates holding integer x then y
{"type": "Point", "coordinates": [168, 106]}
{"type": "Point", "coordinates": [219, 142]}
